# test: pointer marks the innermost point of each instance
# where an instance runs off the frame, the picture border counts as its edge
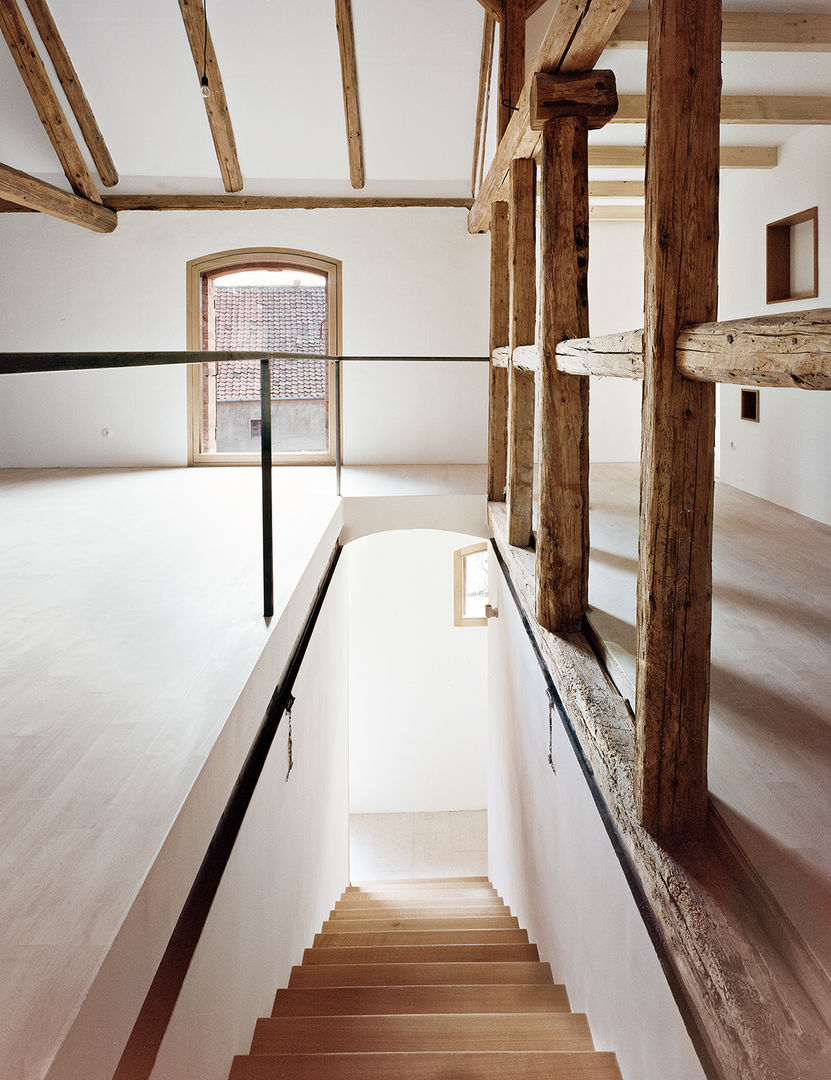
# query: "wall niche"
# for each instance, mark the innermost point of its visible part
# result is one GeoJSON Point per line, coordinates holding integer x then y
{"type": "Point", "coordinates": [793, 258]}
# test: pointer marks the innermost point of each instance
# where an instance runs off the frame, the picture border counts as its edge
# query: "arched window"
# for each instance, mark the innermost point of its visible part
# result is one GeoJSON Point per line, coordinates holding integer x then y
{"type": "Point", "coordinates": [262, 299]}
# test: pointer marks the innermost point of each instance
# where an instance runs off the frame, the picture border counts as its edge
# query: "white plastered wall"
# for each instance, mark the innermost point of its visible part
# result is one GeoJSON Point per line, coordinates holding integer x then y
{"type": "Point", "coordinates": [417, 683]}
{"type": "Point", "coordinates": [287, 869]}
{"type": "Point", "coordinates": [415, 283]}
{"type": "Point", "coordinates": [550, 857]}
{"type": "Point", "coordinates": [615, 304]}
{"type": "Point", "coordinates": [786, 457]}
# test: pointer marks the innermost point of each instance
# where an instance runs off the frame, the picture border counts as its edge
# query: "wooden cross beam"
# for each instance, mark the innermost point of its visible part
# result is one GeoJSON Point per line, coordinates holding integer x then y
{"type": "Point", "coordinates": [746, 109]}
{"type": "Point", "coordinates": [748, 31]}
{"type": "Point", "coordinates": [29, 193]}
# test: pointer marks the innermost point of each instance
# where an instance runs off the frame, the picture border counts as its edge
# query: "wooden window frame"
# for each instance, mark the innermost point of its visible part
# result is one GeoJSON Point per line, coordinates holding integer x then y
{"type": "Point", "coordinates": [779, 287]}
{"type": "Point", "coordinates": [459, 556]}
{"type": "Point", "coordinates": [259, 258]}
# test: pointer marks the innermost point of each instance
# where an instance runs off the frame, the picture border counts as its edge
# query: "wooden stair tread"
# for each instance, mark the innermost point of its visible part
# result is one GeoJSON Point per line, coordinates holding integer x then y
{"type": "Point", "coordinates": [396, 911]}
{"type": "Point", "coordinates": [423, 980]}
{"type": "Point", "coordinates": [419, 974]}
{"type": "Point", "coordinates": [427, 1032]}
{"type": "Point", "coordinates": [366, 1000]}
{"type": "Point", "coordinates": [368, 926]}
{"type": "Point", "coordinates": [373, 938]}
{"type": "Point", "coordinates": [421, 954]}
{"type": "Point", "coordinates": [425, 893]}
{"type": "Point", "coordinates": [457, 896]}
{"type": "Point", "coordinates": [419, 881]}
{"type": "Point", "coordinates": [460, 1065]}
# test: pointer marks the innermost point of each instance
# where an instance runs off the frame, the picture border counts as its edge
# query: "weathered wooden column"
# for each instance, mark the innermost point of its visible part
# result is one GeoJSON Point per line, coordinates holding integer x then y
{"type": "Point", "coordinates": [523, 265]}
{"type": "Point", "coordinates": [678, 425]}
{"type": "Point", "coordinates": [499, 339]}
{"type": "Point", "coordinates": [511, 61]}
{"type": "Point", "coordinates": [564, 107]}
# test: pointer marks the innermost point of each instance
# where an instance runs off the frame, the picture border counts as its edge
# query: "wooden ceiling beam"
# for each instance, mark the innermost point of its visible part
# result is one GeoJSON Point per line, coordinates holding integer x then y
{"type": "Point", "coordinates": [216, 105]}
{"type": "Point", "coordinates": [745, 31]}
{"type": "Point", "coordinates": [29, 64]}
{"type": "Point", "coordinates": [744, 109]}
{"type": "Point", "coordinates": [273, 202]}
{"type": "Point", "coordinates": [576, 36]}
{"type": "Point", "coordinates": [73, 90]}
{"type": "Point", "coordinates": [351, 105]}
{"type": "Point", "coordinates": [29, 193]}
{"type": "Point", "coordinates": [732, 157]}
{"type": "Point", "coordinates": [531, 6]}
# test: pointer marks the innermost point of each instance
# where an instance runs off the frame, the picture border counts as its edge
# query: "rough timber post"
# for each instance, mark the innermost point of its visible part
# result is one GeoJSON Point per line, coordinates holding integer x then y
{"type": "Point", "coordinates": [523, 266]}
{"type": "Point", "coordinates": [499, 339]}
{"type": "Point", "coordinates": [678, 426]}
{"type": "Point", "coordinates": [564, 108]}
{"type": "Point", "coordinates": [511, 61]}
{"type": "Point", "coordinates": [562, 571]}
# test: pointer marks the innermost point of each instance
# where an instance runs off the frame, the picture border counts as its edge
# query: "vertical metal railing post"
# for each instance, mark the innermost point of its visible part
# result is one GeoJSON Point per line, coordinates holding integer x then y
{"type": "Point", "coordinates": [338, 431]}
{"type": "Point", "coordinates": [265, 461]}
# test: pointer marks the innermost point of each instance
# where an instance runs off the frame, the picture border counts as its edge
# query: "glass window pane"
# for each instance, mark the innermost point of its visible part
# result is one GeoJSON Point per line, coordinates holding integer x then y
{"type": "Point", "coordinates": [475, 585]}
{"type": "Point", "coordinates": [283, 309]}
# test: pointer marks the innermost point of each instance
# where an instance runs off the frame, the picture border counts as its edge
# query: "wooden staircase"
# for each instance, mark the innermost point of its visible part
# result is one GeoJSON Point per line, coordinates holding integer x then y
{"type": "Point", "coordinates": [423, 980]}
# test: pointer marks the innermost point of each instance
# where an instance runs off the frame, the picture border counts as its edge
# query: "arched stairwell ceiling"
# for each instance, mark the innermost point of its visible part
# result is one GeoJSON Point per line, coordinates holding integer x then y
{"type": "Point", "coordinates": [417, 74]}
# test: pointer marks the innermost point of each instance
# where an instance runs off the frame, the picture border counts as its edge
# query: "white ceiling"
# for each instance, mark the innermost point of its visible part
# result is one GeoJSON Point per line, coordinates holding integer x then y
{"type": "Point", "coordinates": [281, 71]}
{"type": "Point", "coordinates": [418, 79]}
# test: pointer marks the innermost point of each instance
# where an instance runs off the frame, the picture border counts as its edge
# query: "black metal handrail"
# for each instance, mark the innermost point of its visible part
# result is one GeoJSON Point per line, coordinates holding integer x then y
{"type": "Point", "coordinates": [29, 363]}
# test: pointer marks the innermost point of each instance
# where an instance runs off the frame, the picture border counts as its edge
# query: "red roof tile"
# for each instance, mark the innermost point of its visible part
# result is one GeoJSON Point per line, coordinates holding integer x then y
{"type": "Point", "coordinates": [286, 318]}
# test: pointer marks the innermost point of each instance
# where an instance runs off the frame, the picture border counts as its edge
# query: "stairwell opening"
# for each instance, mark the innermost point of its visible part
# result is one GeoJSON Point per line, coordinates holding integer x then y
{"type": "Point", "coordinates": [417, 711]}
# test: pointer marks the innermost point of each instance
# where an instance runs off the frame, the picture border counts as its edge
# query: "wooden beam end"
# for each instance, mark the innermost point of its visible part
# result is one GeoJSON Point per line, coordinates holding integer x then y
{"type": "Point", "coordinates": [592, 95]}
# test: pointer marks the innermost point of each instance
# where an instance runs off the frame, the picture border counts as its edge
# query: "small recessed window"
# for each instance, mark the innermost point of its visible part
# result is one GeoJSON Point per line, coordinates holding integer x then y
{"type": "Point", "coordinates": [470, 585]}
{"type": "Point", "coordinates": [256, 428]}
{"type": "Point", "coordinates": [750, 405]}
{"type": "Point", "coordinates": [793, 258]}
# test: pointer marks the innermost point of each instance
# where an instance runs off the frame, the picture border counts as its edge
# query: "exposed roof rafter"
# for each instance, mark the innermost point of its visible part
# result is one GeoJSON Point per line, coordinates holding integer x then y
{"type": "Point", "coordinates": [29, 193]}
{"type": "Point", "coordinates": [495, 7]}
{"type": "Point", "coordinates": [485, 68]}
{"type": "Point", "coordinates": [29, 64]}
{"type": "Point", "coordinates": [216, 106]}
{"type": "Point", "coordinates": [576, 36]}
{"type": "Point", "coordinates": [75, 95]}
{"type": "Point", "coordinates": [351, 105]}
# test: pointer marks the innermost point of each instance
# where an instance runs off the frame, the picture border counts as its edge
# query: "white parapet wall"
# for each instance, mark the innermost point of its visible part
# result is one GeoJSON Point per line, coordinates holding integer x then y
{"type": "Point", "coordinates": [549, 856]}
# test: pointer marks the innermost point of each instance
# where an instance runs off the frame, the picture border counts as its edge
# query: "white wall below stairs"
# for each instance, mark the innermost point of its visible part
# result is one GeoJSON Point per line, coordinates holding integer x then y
{"type": "Point", "coordinates": [550, 858]}
{"type": "Point", "coordinates": [287, 869]}
{"type": "Point", "coordinates": [417, 683]}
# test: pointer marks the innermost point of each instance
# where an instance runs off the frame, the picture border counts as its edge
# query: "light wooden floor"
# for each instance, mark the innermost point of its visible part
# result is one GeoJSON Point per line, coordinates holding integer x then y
{"type": "Point", "coordinates": [130, 623]}
{"type": "Point", "coordinates": [770, 730]}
